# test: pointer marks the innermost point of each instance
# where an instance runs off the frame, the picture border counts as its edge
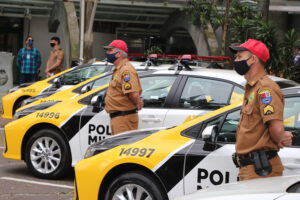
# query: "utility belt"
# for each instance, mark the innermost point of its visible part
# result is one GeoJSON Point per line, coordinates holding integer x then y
{"type": "Point", "coordinates": [260, 160]}
{"type": "Point", "coordinates": [122, 113]}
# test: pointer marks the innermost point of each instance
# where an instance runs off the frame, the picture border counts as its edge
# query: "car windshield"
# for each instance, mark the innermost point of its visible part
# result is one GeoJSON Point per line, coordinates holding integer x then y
{"type": "Point", "coordinates": [82, 74]}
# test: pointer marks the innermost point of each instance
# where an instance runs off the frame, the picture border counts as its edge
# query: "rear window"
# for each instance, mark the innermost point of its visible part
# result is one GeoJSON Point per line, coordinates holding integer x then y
{"type": "Point", "coordinates": [287, 84]}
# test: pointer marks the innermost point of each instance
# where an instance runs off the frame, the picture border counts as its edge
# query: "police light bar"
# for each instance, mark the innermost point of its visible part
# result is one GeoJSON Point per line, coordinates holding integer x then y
{"type": "Point", "coordinates": [190, 57]}
{"type": "Point", "coordinates": [136, 55]}
{"type": "Point", "coordinates": [204, 58]}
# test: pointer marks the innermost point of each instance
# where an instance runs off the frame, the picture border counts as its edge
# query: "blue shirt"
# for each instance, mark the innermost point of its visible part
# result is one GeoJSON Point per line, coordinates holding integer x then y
{"type": "Point", "coordinates": [29, 61]}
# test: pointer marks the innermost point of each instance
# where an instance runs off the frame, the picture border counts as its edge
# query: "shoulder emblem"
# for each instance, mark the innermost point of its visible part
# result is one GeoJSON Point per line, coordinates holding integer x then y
{"type": "Point", "coordinates": [265, 96]}
{"type": "Point", "coordinates": [127, 86]}
{"type": "Point", "coordinates": [268, 110]}
{"type": "Point", "coordinates": [126, 76]}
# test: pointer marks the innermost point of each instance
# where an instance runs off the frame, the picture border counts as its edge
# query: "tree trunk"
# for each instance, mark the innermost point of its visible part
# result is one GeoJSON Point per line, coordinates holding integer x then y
{"type": "Point", "coordinates": [226, 24]}
{"type": "Point", "coordinates": [90, 9]}
{"type": "Point", "coordinates": [263, 9]}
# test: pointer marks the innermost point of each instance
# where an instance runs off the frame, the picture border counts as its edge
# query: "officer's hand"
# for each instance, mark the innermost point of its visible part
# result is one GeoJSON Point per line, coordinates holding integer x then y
{"type": "Point", "coordinates": [286, 139]}
{"type": "Point", "coordinates": [140, 104]}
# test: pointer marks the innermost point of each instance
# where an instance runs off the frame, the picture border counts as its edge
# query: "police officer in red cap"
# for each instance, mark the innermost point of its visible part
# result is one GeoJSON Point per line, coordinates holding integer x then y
{"type": "Point", "coordinates": [260, 133]}
{"type": "Point", "coordinates": [122, 99]}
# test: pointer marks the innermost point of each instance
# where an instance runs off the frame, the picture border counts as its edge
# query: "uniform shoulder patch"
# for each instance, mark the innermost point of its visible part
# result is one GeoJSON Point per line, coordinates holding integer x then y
{"type": "Point", "coordinates": [126, 76]}
{"type": "Point", "coordinates": [265, 96]}
{"type": "Point", "coordinates": [127, 86]}
{"type": "Point", "coordinates": [269, 110]}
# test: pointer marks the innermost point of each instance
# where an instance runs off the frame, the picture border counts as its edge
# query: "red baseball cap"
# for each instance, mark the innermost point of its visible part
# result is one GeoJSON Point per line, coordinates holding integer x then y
{"type": "Point", "coordinates": [254, 46]}
{"type": "Point", "coordinates": [120, 44]}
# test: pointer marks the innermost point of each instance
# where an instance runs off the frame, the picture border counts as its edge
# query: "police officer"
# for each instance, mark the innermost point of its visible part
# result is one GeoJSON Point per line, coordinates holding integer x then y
{"type": "Point", "coordinates": [122, 99]}
{"type": "Point", "coordinates": [260, 133]}
{"type": "Point", "coordinates": [56, 58]}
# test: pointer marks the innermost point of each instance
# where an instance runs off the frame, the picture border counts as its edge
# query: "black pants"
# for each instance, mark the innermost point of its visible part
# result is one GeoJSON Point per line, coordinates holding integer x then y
{"type": "Point", "coordinates": [24, 78]}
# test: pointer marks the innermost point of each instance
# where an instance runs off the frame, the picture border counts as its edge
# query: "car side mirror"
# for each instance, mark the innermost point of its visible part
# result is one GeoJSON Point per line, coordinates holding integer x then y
{"type": "Point", "coordinates": [96, 102]}
{"type": "Point", "coordinates": [85, 89]}
{"type": "Point", "coordinates": [209, 135]}
{"type": "Point", "coordinates": [57, 82]}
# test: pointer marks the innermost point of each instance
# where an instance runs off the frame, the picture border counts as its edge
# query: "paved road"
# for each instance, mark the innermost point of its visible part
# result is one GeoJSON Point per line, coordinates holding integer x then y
{"type": "Point", "coordinates": [17, 183]}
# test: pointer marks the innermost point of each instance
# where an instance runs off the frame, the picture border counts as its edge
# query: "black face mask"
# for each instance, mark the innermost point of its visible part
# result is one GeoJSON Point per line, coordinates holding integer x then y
{"type": "Point", "coordinates": [241, 67]}
{"type": "Point", "coordinates": [52, 44]}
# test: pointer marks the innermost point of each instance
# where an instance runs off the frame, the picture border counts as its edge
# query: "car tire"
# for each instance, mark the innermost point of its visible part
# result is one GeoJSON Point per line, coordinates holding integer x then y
{"type": "Point", "coordinates": [134, 185]}
{"type": "Point", "coordinates": [47, 154]}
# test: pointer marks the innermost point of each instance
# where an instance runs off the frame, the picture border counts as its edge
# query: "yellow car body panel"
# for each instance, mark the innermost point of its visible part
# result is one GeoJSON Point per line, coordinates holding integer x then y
{"type": "Point", "coordinates": [15, 131]}
{"type": "Point", "coordinates": [9, 100]}
{"type": "Point", "coordinates": [55, 115]}
{"type": "Point", "coordinates": [91, 172]}
{"type": "Point", "coordinates": [61, 95]}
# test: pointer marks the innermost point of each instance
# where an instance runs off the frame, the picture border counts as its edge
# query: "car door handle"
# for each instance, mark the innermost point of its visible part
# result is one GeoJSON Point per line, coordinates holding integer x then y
{"type": "Point", "coordinates": [291, 166]}
{"type": "Point", "coordinates": [151, 120]}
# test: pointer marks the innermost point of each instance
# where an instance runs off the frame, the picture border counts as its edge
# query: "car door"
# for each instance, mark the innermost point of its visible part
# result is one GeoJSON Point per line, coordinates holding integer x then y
{"type": "Point", "coordinates": [216, 166]}
{"type": "Point", "coordinates": [290, 156]}
{"type": "Point", "coordinates": [197, 96]}
{"type": "Point", "coordinates": [208, 164]}
{"type": "Point", "coordinates": [94, 124]}
{"type": "Point", "coordinates": [156, 90]}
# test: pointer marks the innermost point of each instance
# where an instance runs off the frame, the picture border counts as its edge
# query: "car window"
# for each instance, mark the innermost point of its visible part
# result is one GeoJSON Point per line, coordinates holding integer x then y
{"type": "Point", "coordinates": [237, 95]}
{"type": "Point", "coordinates": [77, 76]}
{"type": "Point", "coordinates": [156, 90]}
{"type": "Point", "coordinates": [287, 84]}
{"type": "Point", "coordinates": [101, 81]}
{"type": "Point", "coordinates": [292, 118]}
{"type": "Point", "coordinates": [228, 130]}
{"type": "Point", "coordinates": [200, 93]}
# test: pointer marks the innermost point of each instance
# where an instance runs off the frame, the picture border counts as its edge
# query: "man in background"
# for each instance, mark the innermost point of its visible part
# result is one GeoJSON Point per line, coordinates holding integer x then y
{"type": "Point", "coordinates": [28, 61]}
{"type": "Point", "coordinates": [56, 58]}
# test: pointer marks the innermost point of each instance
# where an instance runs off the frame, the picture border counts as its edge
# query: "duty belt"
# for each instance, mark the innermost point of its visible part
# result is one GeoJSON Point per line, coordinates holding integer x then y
{"type": "Point", "coordinates": [247, 159]}
{"type": "Point", "coordinates": [122, 113]}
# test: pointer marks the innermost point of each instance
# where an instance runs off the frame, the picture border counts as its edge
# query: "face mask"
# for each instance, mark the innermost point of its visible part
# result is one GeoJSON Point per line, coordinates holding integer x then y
{"type": "Point", "coordinates": [30, 43]}
{"type": "Point", "coordinates": [52, 44]}
{"type": "Point", "coordinates": [111, 57]}
{"type": "Point", "coordinates": [241, 67]}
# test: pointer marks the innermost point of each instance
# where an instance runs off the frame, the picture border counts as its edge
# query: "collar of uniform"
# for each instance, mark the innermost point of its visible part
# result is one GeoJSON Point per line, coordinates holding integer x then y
{"type": "Point", "coordinates": [256, 78]}
{"type": "Point", "coordinates": [122, 62]}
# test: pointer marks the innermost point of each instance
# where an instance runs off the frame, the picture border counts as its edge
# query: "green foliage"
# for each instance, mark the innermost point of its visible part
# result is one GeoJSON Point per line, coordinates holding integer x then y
{"type": "Point", "coordinates": [246, 24]}
{"type": "Point", "coordinates": [154, 50]}
{"type": "Point", "coordinates": [290, 43]}
{"type": "Point", "coordinates": [204, 12]}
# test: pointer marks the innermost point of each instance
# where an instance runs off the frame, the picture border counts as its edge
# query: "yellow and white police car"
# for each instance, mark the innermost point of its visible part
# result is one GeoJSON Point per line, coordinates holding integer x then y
{"type": "Point", "coordinates": [170, 98]}
{"type": "Point", "coordinates": [66, 79]}
{"type": "Point", "coordinates": [168, 163]}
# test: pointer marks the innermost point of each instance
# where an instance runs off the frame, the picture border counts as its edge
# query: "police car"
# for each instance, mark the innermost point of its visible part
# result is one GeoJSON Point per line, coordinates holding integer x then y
{"type": "Point", "coordinates": [168, 163]}
{"type": "Point", "coordinates": [274, 188]}
{"type": "Point", "coordinates": [171, 97]}
{"type": "Point", "coordinates": [152, 63]}
{"type": "Point", "coordinates": [68, 78]}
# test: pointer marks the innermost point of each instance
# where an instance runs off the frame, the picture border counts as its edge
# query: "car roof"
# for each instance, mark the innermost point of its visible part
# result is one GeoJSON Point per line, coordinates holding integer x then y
{"type": "Point", "coordinates": [228, 75]}
{"type": "Point", "coordinates": [277, 184]}
{"type": "Point", "coordinates": [291, 90]}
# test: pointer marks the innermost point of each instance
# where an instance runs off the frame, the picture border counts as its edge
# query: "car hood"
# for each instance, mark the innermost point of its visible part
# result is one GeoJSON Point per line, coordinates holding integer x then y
{"type": "Point", "coordinates": [263, 186]}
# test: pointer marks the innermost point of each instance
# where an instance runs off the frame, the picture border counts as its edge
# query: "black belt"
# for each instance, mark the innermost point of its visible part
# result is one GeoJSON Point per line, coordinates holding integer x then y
{"type": "Point", "coordinates": [122, 113]}
{"type": "Point", "coordinates": [247, 159]}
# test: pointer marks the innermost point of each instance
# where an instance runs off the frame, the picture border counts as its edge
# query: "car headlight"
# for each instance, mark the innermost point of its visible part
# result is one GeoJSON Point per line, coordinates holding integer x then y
{"type": "Point", "coordinates": [121, 139]}
{"type": "Point", "coordinates": [34, 108]}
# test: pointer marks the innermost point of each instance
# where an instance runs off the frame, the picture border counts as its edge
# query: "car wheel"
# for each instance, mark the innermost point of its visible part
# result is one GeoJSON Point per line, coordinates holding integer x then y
{"type": "Point", "coordinates": [47, 154]}
{"type": "Point", "coordinates": [134, 186]}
